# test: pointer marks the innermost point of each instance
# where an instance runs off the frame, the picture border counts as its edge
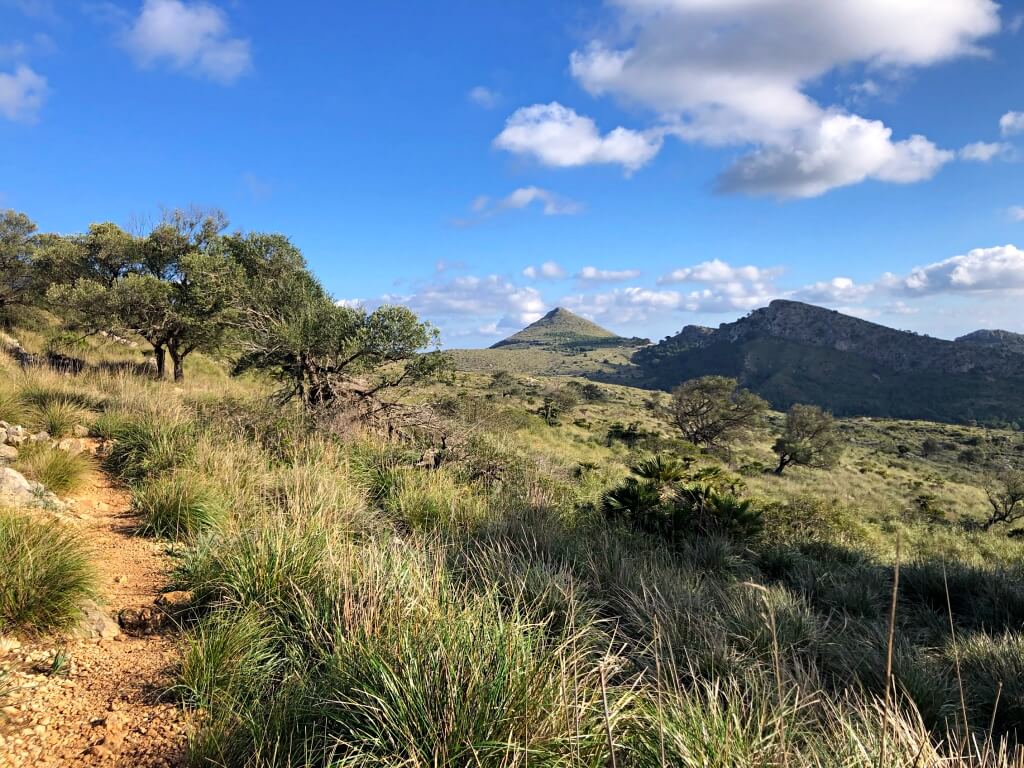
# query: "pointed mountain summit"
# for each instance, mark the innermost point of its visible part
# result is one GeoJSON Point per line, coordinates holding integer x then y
{"type": "Point", "coordinates": [560, 328]}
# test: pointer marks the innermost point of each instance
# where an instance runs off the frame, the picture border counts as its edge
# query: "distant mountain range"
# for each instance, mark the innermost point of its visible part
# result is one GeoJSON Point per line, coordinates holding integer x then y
{"type": "Point", "coordinates": [791, 352]}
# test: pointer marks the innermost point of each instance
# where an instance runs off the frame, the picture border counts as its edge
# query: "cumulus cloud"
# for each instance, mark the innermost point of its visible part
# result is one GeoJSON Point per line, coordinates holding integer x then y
{"type": "Point", "coordinates": [1011, 123]}
{"type": "Point", "coordinates": [549, 270]}
{"type": "Point", "coordinates": [836, 152]}
{"type": "Point", "coordinates": [595, 275]}
{"type": "Point", "coordinates": [22, 93]}
{"type": "Point", "coordinates": [483, 97]}
{"type": "Point", "coordinates": [1016, 212]}
{"type": "Point", "coordinates": [726, 287]}
{"type": "Point", "coordinates": [834, 291]}
{"type": "Point", "coordinates": [983, 151]}
{"type": "Point", "coordinates": [550, 203]}
{"type": "Point", "coordinates": [192, 37]}
{"type": "Point", "coordinates": [555, 135]}
{"type": "Point", "coordinates": [981, 270]}
{"type": "Point", "coordinates": [718, 271]}
{"type": "Point", "coordinates": [468, 296]}
{"type": "Point", "coordinates": [736, 72]}
{"type": "Point", "coordinates": [350, 303]}
{"type": "Point", "coordinates": [624, 305]}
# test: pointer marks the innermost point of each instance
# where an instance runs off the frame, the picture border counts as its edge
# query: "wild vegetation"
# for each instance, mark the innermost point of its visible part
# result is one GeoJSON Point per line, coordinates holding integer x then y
{"type": "Point", "coordinates": [501, 570]}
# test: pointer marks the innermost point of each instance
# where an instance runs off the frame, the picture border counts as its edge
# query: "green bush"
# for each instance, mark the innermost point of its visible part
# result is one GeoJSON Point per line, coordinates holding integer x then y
{"type": "Point", "coordinates": [177, 506]}
{"type": "Point", "coordinates": [60, 471]}
{"type": "Point", "coordinates": [46, 575]}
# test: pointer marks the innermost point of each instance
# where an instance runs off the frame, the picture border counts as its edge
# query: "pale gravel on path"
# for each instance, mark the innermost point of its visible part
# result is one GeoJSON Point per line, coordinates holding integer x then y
{"type": "Point", "coordinates": [107, 711]}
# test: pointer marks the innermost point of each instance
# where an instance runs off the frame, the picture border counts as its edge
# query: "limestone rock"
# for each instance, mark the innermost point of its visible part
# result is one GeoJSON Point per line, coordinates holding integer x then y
{"type": "Point", "coordinates": [98, 624]}
{"type": "Point", "coordinates": [8, 453]}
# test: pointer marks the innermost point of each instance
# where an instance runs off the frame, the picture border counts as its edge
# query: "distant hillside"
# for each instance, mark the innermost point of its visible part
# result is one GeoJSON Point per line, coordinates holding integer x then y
{"type": "Point", "coordinates": [562, 328]}
{"type": "Point", "coordinates": [560, 343]}
{"type": "Point", "coordinates": [792, 352]}
{"type": "Point", "coordinates": [995, 338]}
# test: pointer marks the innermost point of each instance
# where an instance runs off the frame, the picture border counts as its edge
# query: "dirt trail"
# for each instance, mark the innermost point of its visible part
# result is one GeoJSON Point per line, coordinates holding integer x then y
{"type": "Point", "coordinates": [105, 710]}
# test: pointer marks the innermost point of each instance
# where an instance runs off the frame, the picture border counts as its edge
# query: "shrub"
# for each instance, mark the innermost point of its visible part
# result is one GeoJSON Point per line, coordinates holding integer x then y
{"type": "Point", "coordinates": [46, 574]}
{"type": "Point", "coordinates": [146, 447]}
{"type": "Point", "coordinates": [60, 471]}
{"type": "Point", "coordinates": [177, 506]}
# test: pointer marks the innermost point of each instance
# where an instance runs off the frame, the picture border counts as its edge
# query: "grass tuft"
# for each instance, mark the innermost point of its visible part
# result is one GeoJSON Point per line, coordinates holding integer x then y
{"type": "Point", "coordinates": [60, 471]}
{"type": "Point", "coordinates": [46, 576]}
{"type": "Point", "coordinates": [177, 506]}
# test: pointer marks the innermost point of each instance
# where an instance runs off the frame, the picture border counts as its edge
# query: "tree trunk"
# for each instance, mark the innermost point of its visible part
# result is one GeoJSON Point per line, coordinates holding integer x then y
{"type": "Point", "coordinates": [161, 360]}
{"type": "Point", "coordinates": [177, 359]}
{"type": "Point", "coordinates": [783, 461]}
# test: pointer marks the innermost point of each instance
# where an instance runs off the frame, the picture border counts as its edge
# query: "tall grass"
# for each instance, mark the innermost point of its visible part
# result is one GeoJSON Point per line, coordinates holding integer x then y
{"type": "Point", "coordinates": [178, 506]}
{"type": "Point", "coordinates": [59, 417]}
{"type": "Point", "coordinates": [46, 574]}
{"type": "Point", "coordinates": [60, 471]}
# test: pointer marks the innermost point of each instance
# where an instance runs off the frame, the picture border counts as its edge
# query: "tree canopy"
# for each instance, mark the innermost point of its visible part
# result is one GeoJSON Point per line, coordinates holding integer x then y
{"type": "Point", "coordinates": [175, 287]}
{"type": "Point", "coordinates": [809, 439]}
{"type": "Point", "coordinates": [713, 411]}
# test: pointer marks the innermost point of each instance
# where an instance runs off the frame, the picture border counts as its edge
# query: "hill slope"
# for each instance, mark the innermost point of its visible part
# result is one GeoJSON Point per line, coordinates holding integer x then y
{"type": "Point", "coordinates": [792, 352]}
{"type": "Point", "coordinates": [560, 328]}
{"type": "Point", "coordinates": [559, 344]}
{"type": "Point", "coordinates": [995, 338]}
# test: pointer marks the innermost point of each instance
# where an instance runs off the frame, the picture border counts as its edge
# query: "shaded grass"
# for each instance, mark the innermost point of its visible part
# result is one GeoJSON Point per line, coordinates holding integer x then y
{"type": "Point", "coordinates": [46, 574]}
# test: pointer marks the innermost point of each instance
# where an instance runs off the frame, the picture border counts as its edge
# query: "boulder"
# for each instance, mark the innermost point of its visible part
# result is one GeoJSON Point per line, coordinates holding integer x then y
{"type": "Point", "coordinates": [80, 430]}
{"type": "Point", "coordinates": [15, 489]}
{"type": "Point", "coordinates": [8, 453]}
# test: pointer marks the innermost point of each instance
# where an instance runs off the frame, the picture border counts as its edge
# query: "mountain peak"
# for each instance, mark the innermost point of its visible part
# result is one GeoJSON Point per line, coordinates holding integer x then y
{"type": "Point", "coordinates": [558, 328]}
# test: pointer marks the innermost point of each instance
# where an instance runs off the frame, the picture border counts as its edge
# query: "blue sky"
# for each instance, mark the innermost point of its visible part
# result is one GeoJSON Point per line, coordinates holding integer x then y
{"type": "Point", "coordinates": [648, 163]}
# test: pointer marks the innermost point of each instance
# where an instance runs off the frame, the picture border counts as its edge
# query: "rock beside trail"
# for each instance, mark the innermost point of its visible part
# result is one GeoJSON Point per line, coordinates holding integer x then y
{"type": "Point", "coordinates": [97, 623]}
{"type": "Point", "coordinates": [8, 453]}
{"type": "Point", "coordinates": [18, 491]}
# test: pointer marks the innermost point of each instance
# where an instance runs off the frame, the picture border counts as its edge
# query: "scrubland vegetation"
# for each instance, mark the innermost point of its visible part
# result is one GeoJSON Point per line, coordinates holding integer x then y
{"type": "Point", "coordinates": [504, 571]}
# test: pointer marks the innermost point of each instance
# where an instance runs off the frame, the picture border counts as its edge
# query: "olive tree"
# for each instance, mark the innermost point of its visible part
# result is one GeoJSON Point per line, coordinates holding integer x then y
{"type": "Point", "coordinates": [174, 287]}
{"type": "Point", "coordinates": [323, 354]}
{"type": "Point", "coordinates": [1006, 497]}
{"type": "Point", "coordinates": [18, 244]}
{"type": "Point", "coordinates": [809, 439]}
{"type": "Point", "coordinates": [713, 411]}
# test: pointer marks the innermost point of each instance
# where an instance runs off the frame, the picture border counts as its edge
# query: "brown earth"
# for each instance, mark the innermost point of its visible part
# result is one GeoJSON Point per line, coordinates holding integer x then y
{"type": "Point", "coordinates": [105, 707]}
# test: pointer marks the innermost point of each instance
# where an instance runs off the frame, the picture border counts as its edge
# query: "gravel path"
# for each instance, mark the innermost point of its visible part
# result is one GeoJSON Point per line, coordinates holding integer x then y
{"type": "Point", "coordinates": [105, 708]}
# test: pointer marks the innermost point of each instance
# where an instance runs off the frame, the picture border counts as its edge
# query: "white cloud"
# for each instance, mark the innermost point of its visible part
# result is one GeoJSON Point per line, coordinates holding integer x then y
{"type": "Point", "coordinates": [595, 275]}
{"type": "Point", "coordinates": [22, 94]}
{"type": "Point", "coordinates": [1016, 212]}
{"type": "Point", "coordinates": [350, 303]}
{"type": "Point", "coordinates": [484, 97]}
{"type": "Point", "coordinates": [549, 270]}
{"type": "Point", "coordinates": [735, 72]}
{"type": "Point", "coordinates": [623, 305]}
{"type": "Point", "coordinates": [551, 203]}
{"type": "Point", "coordinates": [555, 135]}
{"type": "Point", "coordinates": [193, 37]}
{"type": "Point", "coordinates": [1011, 123]}
{"type": "Point", "coordinates": [836, 290]}
{"type": "Point", "coordinates": [727, 287]}
{"type": "Point", "coordinates": [473, 296]}
{"type": "Point", "coordinates": [837, 151]}
{"type": "Point", "coordinates": [718, 271]}
{"type": "Point", "coordinates": [981, 270]}
{"type": "Point", "coordinates": [983, 151]}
